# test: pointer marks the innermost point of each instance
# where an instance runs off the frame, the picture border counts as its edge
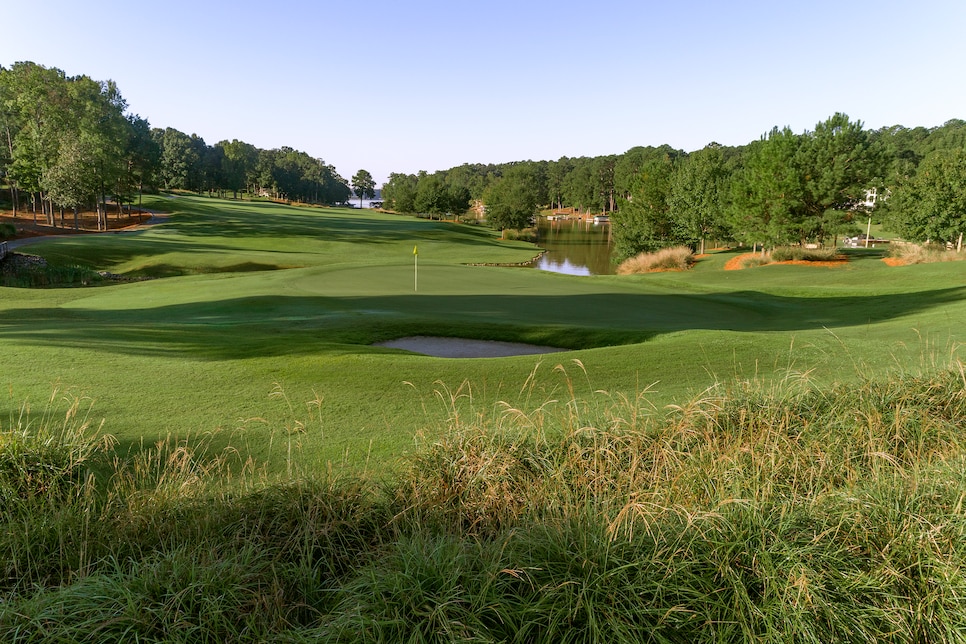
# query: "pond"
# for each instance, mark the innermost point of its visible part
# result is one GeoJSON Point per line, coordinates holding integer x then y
{"type": "Point", "coordinates": [574, 247]}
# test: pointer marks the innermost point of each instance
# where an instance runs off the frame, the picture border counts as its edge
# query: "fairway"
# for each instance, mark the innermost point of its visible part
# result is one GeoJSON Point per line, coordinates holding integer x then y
{"type": "Point", "coordinates": [258, 321]}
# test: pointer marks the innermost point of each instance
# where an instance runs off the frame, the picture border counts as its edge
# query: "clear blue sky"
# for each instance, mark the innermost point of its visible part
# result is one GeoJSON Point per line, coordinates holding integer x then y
{"type": "Point", "coordinates": [402, 86]}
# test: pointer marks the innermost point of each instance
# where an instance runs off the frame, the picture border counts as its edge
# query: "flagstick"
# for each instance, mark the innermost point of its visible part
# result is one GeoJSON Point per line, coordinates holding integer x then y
{"type": "Point", "coordinates": [416, 273]}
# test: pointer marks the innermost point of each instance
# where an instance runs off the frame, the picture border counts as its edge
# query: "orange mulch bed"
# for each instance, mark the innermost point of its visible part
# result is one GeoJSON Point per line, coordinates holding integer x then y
{"type": "Point", "coordinates": [735, 263]}
{"type": "Point", "coordinates": [26, 227]}
{"type": "Point", "coordinates": [893, 261]}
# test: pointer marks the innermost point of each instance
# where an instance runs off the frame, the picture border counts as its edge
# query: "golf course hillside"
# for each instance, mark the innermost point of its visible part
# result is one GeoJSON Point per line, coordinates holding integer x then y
{"type": "Point", "coordinates": [259, 322]}
{"type": "Point", "coordinates": [205, 440]}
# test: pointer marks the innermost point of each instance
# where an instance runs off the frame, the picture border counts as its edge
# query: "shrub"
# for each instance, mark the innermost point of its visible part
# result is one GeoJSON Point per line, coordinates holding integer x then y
{"type": "Point", "coordinates": [679, 258]}
{"type": "Point", "coordinates": [7, 231]}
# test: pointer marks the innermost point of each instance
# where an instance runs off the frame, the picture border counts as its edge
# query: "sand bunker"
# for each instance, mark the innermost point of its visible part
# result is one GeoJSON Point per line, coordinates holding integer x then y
{"type": "Point", "coordinates": [465, 348]}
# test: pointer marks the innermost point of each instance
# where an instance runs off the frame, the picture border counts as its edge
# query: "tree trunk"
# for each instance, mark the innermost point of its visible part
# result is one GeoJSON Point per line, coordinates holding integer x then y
{"type": "Point", "coordinates": [76, 219]}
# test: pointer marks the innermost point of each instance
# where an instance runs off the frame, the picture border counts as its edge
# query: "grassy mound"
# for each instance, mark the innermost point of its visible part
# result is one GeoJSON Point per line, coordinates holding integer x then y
{"type": "Point", "coordinates": [751, 512]}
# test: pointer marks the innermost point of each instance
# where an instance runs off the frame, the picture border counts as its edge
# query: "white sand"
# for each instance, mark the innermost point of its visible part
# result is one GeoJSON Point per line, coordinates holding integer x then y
{"type": "Point", "coordinates": [465, 348]}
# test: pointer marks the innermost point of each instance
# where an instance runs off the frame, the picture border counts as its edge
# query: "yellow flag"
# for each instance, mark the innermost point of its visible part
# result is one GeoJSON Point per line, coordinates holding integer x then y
{"type": "Point", "coordinates": [415, 251]}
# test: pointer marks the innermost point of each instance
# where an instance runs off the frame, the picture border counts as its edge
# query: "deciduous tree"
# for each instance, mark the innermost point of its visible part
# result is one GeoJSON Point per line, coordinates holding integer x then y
{"type": "Point", "coordinates": [511, 202]}
{"type": "Point", "coordinates": [932, 205]}
{"type": "Point", "coordinates": [698, 199]}
{"type": "Point", "coordinates": [643, 221]}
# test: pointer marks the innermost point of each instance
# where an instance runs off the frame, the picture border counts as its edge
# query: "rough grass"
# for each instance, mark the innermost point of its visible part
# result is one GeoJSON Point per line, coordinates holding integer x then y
{"type": "Point", "coordinates": [679, 258]}
{"type": "Point", "coordinates": [767, 512]}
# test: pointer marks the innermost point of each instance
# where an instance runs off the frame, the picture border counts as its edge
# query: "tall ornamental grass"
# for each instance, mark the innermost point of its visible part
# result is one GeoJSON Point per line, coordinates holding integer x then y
{"type": "Point", "coordinates": [679, 258]}
{"type": "Point", "coordinates": [802, 254]}
{"type": "Point", "coordinates": [754, 511]}
{"type": "Point", "coordinates": [924, 253]}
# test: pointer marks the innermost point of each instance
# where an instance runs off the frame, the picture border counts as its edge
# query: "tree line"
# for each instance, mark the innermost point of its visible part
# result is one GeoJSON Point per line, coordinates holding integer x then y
{"type": "Point", "coordinates": [68, 143]}
{"type": "Point", "coordinates": [785, 188]}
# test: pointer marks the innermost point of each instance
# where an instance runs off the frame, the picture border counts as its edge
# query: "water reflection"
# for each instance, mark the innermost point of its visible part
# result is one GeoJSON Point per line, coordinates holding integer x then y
{"type": "Point", "coordinates": [574, 247]}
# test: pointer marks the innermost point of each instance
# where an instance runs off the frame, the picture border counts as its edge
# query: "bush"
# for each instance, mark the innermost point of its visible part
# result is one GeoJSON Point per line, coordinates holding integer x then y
{"type": "Point", "coordinates": [679, 258]}
{"type": "Point", "coordinates": [7, 231]}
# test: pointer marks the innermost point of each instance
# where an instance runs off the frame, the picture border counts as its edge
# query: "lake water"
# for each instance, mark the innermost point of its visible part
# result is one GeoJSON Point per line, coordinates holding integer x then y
{"type": "Point", "coordinates": [574, 247]}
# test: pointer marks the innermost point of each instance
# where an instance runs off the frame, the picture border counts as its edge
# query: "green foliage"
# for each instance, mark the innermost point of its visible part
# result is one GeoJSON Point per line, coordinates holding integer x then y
{"type": "Point", "coordinates": [644, 222]}
{"type": "Point", "coordinates": [399, 193]}
{"type": "Point", "coordinates": [512, 202]}
{"type": "Point", "coordinates": [363, 185]}
{"type": "Point", "coordinates": [931, 206]}
{"type": "Point", "coordinates": [809, 187]}
{"type": "Point", "coordinates": [699, 196]}
{"type": "Point", "coordinates": [7, 231]}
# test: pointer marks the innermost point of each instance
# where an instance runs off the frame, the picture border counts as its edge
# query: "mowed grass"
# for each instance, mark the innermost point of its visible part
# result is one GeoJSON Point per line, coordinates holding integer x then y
{"type": "Point", "coordinates": [257, 333]}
